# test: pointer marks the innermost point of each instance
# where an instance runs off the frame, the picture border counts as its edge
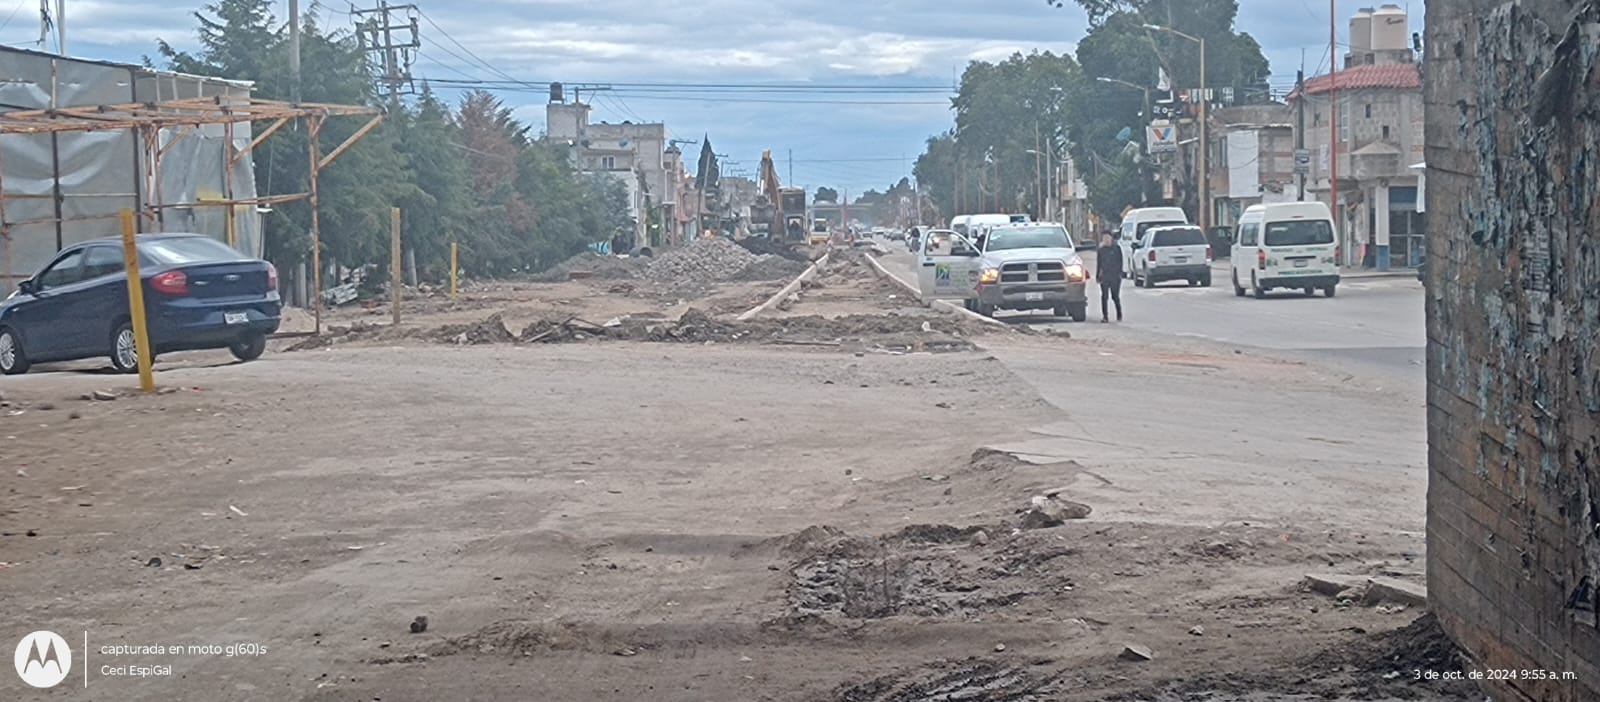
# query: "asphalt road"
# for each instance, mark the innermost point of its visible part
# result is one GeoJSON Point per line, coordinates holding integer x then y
{"type": "Point", "coordinates": [1375, 323]}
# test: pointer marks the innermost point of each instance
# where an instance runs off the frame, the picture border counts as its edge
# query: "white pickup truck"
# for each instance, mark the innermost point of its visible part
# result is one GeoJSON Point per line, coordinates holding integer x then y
{"type": "Point", "coordinates": [1028, 266]}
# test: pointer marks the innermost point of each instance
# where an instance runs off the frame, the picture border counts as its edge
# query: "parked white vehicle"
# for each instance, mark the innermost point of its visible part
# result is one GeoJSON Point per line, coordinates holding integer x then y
{"type": "Point", "coordinates": [1178, 252]}
{"type": "Point", "coordinates": [1290, 245]}
{"type": "Point", "coordinates": [1138, 222]}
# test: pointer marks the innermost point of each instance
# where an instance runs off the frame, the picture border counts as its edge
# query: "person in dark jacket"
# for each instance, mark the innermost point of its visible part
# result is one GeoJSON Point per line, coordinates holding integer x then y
{"type": "Point", "coordinates": [1108, 267]}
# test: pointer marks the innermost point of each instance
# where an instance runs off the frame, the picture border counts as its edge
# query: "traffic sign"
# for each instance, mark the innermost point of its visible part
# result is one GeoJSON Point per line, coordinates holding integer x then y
{"type": "Point", "coordinates": [1302, 161]}
{"type": "Point", "coordinates": [1163, 137]}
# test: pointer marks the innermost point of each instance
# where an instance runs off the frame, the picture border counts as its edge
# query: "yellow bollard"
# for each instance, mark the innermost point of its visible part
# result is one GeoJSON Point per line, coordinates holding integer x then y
{"type": "Point", "coordinates": [141, 331]}
{"type": "Point", "coordinates": [455, 267]}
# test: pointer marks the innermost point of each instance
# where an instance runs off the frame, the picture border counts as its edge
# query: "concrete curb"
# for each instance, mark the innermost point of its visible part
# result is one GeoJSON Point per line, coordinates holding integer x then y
{"type": "Point", "coordinates": [787, 289]}
{"type": "Point", "coordinates": [941, 305]}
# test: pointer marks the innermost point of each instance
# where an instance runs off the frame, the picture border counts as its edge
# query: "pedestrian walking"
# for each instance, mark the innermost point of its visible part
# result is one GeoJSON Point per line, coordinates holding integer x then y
{"type": "Point", "coordinates": [1108, 267]}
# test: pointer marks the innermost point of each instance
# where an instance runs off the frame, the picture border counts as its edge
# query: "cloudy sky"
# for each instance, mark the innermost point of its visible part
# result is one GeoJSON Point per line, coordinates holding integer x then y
{"type": "Point", "coordinates": [895, 59]}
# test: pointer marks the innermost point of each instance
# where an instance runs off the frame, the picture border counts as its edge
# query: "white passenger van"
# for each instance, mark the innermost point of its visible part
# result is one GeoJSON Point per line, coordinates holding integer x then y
{"type": "Point", "coordinates": [1139, 221]}
{"type": "Point", "coordinates": [1289, 245]}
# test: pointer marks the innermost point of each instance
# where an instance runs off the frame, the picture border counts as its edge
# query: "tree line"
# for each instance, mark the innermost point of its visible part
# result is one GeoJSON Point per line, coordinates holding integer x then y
{"type": "Point", "coordinates": [1059, 105]}
{"type": "Point", "coordinates": [467, 173]}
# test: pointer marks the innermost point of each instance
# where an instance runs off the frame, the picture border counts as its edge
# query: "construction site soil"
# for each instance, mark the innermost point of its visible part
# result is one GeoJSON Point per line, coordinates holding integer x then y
{"type": "Point", "coordinates": [745, 519]}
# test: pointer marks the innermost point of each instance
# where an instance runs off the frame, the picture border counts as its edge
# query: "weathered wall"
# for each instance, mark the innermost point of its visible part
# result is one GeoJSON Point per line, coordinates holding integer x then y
{"type": "Point", "coordinates": [1513, 135]}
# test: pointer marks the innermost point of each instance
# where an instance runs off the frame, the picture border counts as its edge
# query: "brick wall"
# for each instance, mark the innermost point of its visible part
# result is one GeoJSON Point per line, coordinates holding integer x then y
{"type": "Point", "coordinates": [1513, 335]}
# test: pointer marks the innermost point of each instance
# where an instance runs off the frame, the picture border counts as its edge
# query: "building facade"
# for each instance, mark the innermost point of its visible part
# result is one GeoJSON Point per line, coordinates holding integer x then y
{"type": "Point", "coordinates": [1364, 126]}
{"type": "Point", "coordinates": [633, 154]}
{"type": "Point", "coordinates": [1252, 161]}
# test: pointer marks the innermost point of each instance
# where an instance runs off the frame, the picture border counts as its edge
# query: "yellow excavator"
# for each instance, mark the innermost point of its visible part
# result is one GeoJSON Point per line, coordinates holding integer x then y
{"type": "Point", "coordinates": [784, 209]}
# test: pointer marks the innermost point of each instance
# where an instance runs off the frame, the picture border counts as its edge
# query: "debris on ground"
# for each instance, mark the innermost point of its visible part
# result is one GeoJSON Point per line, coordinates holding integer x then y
{"type": "Point", "coordinates": [420, 624]}
{"type": "Point", "coordinates": [591, 265]}
{"type": "Point", "coordinates": [764, 246]}
{"type": "Point", "coordinates": [1136, 653]}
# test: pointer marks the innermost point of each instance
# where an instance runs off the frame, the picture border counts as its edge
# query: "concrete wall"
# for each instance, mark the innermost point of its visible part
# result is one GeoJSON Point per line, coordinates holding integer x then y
{"type": "Point", "coordinates": [1514, 338]}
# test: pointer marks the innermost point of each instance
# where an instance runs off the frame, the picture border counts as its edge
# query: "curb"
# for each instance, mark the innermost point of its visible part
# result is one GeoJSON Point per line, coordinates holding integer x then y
{"type": "Point", "coordinates": [787, 289]}
{"type": "Point", "coordinates": [942, 305]}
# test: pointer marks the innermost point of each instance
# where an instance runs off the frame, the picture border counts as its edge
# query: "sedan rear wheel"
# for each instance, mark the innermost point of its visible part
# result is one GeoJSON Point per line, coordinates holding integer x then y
{"type": "Point", "coordinates": [249, 347]}
{"type": "Point", "coordinates": [124, 349]}
{"type": "Point", "coordinates": [12, 362]}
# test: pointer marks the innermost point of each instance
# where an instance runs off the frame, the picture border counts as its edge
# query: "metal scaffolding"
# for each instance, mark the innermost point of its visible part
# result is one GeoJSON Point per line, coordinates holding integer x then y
{"type": "Point", "coordinates": [179, 119]}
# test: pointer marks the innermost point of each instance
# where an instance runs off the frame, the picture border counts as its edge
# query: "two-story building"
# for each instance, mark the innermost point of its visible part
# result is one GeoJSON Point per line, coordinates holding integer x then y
{"type": "Point", "coordinates": [1252, 161]}
{"type": "Point", "coordinates": [632, 153]}
{"type": "Point", "coordinates": [1364, 133]}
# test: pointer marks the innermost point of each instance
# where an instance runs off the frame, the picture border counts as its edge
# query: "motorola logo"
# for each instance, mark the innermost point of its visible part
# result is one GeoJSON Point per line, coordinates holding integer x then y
{"type": "Point", "coordinates": [43, 659]}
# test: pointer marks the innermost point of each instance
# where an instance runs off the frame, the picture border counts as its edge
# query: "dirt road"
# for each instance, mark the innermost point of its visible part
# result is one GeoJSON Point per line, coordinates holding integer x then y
{"type": "Point", "coordinates": [630, 520]}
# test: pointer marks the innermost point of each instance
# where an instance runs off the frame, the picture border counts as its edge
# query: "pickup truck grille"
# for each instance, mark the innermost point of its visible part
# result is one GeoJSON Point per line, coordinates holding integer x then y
{"type": "Point", "coordinates": [1045, 272]}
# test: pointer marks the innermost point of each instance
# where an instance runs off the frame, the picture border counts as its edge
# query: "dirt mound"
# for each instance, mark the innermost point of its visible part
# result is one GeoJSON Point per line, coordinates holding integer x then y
{"type": "Point", "coordinates": [976, 680]}
{"type": "Point", "coordinates": [592, 265]}
{"type": "Point", "coordinates": [762, 246]}
{"type": "Point", "coordinates": [921, 570]}
{"type": "Point", "coordinates": [707, 261]}
{"type": "Point", "coordinates": [491, 330]}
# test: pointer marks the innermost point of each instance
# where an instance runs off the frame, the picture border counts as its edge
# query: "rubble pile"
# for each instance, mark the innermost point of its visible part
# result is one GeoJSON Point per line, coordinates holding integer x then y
{"type": "Point", "coordinates": [716, 261]}
{"type": "Point", "coordinates": [763, 246]}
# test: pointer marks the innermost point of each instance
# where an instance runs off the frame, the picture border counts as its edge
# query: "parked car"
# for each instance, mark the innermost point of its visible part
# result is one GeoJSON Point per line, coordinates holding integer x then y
{"type": "Point", "coordinates": [1172, 253]}
{"type": "Point", "coordinates": [198, 294]}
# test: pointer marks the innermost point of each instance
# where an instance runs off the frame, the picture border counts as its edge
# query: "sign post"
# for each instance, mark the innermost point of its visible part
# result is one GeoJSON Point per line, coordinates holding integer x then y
{"type": "Point", "coordinates": [395, 287]}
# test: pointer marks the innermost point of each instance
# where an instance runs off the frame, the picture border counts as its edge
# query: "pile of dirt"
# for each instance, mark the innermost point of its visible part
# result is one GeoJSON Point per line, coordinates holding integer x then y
{"type": "Point", "coordinates": [717, 260]}
{"type": "Point", "coordinates": [921, 570]}
{"type": "Point", "coordinates": [594, 266]}
{"type": "Point", "coordinates": [890, 332]}
{"type": "Point", "coordinates": [763, 246]}
{"type": "Point", "coordinates": [976, 680]}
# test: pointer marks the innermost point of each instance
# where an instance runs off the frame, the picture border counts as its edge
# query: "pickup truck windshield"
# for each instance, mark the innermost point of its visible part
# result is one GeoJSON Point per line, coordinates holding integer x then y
{"type": "Point", "coordinates": [1028, 238]}
{"type": "Point", "coordinates": [1301, 233]}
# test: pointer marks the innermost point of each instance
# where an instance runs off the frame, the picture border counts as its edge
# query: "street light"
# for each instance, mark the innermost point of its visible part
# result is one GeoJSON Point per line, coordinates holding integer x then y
{"type": "Point", "coordinates": [1144, 180]}
{"type": "Point", "coordinates": [1205, 126]}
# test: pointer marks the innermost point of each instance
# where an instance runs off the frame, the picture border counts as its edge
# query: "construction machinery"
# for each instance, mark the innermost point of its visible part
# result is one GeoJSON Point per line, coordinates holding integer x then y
{"type": "Point", "coordinates": [783, 209]}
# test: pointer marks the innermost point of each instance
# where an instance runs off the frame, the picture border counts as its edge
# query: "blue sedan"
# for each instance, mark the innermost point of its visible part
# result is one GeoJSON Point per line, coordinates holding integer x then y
{"type": "Point", "coordinates": [198, 294]}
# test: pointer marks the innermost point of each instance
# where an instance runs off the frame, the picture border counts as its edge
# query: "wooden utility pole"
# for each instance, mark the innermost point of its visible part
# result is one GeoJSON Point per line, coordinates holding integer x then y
{"type": "Point", "coordinates": [1300, 133]}
{"type": "Point", "coordinates": [294, 51]}
{"type": "Point", "coordinates": [395, 283]}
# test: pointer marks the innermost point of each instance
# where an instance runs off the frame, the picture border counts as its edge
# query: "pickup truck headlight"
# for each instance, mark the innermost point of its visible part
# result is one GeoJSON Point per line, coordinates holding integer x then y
{"type": "Point", "coordinates": [1075, 272]}
{"type": "Point", "coordinates": [990, 276]}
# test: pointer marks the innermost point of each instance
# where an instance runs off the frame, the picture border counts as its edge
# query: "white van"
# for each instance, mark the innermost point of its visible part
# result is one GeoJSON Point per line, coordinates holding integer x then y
{"type": "Point", "coordinates": [1290, 245]}
{"type": "Point", "coordinates": [1139, 221]}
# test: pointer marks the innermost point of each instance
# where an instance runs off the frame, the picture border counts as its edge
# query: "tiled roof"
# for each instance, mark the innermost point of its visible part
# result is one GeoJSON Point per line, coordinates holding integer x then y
{"type": "Point", "coordinates": [1400, 76]}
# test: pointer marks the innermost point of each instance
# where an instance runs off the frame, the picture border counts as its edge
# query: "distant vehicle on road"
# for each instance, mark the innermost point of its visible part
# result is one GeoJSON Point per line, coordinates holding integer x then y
{"type": "Point", "coordinates": [1286, 245]}
{"type": "Point", "coordinates": [1178, 252]}
{"type": "Point", "coordinates": [1011, 267]}
{"type": "Point", "coordinates": [198, 294]}
{"type": "Point", "coordinates": [1139, 221]}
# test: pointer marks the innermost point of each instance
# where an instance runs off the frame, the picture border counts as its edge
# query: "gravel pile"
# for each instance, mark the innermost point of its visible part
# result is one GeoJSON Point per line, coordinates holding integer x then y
{"type": "Point", "coordinates": [716, 261]}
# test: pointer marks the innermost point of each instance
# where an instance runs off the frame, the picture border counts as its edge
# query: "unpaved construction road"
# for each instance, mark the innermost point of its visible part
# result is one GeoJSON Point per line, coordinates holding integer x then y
{"type": "Point", "coordinates": [807, 506]}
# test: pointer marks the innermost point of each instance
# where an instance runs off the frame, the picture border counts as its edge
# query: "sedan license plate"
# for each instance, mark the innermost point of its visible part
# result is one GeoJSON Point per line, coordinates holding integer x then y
{"type": "Point", "coordinates": [1302, 263]}
{"type": "Point", "coordinates": [1034, 296]}
{"type": "Point", "coordinates": [235, 317]}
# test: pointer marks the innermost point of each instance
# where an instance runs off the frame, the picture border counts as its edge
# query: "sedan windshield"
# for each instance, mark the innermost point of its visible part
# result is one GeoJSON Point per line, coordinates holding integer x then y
{"type": "Point", "coordinates": [1028, 238]}
{"type": "Point", "coordinates": [1299, 233]}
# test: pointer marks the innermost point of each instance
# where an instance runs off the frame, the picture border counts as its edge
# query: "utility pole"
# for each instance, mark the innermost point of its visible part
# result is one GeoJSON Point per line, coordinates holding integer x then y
{"type": "Point", "coordinates": [1300, 133]}
{"type": "Point", "coordinates": [375, 28]}
{"type": "Point", "coordinates": [294, 51]}
{"type": "Point", "coordinates": [1333, 121]}
{"type": "Point", "coordinates": [791, 167]}
{"type": "Point", "coordinates": [61, 26]}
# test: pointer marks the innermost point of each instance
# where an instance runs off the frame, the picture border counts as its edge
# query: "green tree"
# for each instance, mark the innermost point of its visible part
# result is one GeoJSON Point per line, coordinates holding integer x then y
{"type": "Point", "coordinates": [826, 194]}
{"type": "Point", "coordinates": [436, 212]}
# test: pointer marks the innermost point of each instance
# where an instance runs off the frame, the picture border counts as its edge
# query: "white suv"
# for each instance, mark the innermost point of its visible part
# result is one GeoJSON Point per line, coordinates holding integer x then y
{"type": "Point", "coordinates": [1178, 252]}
